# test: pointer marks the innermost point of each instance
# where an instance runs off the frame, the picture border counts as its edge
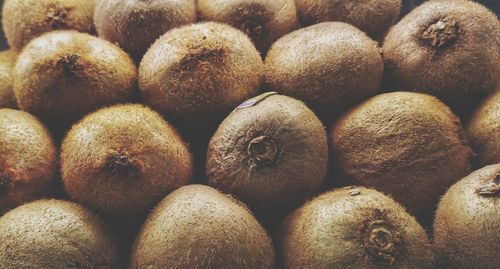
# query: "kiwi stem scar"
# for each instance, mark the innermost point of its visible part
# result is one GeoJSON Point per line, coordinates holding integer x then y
{"type": "Point", "coordinates": [491, 189]}
{"type": "Point", "coordinates": [441, 33]}
{"type": "Point", "coordinates": [263, 150]}
{"type": "Point", "coordinates": [381, 242]}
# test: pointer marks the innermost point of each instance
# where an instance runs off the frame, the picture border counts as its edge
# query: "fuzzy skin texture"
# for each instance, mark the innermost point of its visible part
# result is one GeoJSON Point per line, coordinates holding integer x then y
{"type": "Point", "coordinates": [329, 66]}
{"type": "Point", "coordinates": [270, 155]}
{"type": "Point", "coordinates": [373, 17]}
{"type": "Point", "coordinates": [484, 131]}
{"type": "Point", "coordinates": [7, 61]}
{"type": "Point", "coordinates": [136, 24]}
{"type": "Point", "coordinates": [58, 235]}
{"type": "Point", "coordinates": [64, 75]}
{"type": "Point", "coordinates": [354, 227]}
{"type": "Point", "coordinates": [199, 227]}
{"type": "Point", "coordinates": [28, 159]}
{"type": "Point", "coordinates": [467, 224]}
{"type": "Point", "coordinates": [24, 20]}
{"type": "Point", "coordinates": [196, 74]}
{"type": "Point", "coordinates": [122, 160]}
{"type": "Point", "coordinates": [446, 48]}
{"type": "Point", "coordinates": [408, 145]}
{"type": "Point", "coordinates": [264, 21]}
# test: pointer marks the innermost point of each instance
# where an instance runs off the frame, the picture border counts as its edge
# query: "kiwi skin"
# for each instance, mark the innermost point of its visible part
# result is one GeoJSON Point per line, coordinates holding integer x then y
{"type": "Point", "coordinates": [198, 227]}
{"type": "Point", "coordinates": [403, 144]}
{"type": "Point", "coordinates": [56, 234]}
{"type": "Point", "coordinates": [28, 159]}
{"type": "Point", "coordinates": [432, 48]}
{"type": "Point", "coordinates": [122, 160]}
{"type": "Point", "coordinates": [64, 75]}
{"type": "Point", "coordinates": [354, 227]}
{"type": "Point", "coordinates": [373, 17]}
{"type": "Point", "coordinates": [7, 61]}
{"type": "Point", "coordinates": [484, 131]}
{"type": "Point", "coordinates": [263, 20]}
{"type": "Point", "coordinates": [330, 66]}
{"type": "Point", "coordinates": [136, 24]}
{"type": "Point", "coordinates": [468, 222]}
{"type": "Point", "coordinates": [27, 19]}
{"type": "Point", "coordinates": [271, 155]}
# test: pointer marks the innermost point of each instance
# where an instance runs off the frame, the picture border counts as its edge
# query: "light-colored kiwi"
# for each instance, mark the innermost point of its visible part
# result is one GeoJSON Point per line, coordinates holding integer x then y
{"type": "Point", "coordinates": [330, 66]}
{"type": "Point", "coordinates": [199, 227]}
{"type": "Point", "coordinates": [354, 227]}
{"type": "Point", "coordinates": [24, 20]}
{"type": "Point", "coordinates": [136, 24]}
{"type": "Point", "coordinates": [408, 145]}
{"type": "Point", "coordinates": [467, 223]}
{"type": "Point", "coordinates": [122, 160]}
{"type": "Point", "coordinates": [64, 75]}
{"type": "Point", "coordinates": [28, 159]}
{"type": "Point", "coordinates": [7, 61]}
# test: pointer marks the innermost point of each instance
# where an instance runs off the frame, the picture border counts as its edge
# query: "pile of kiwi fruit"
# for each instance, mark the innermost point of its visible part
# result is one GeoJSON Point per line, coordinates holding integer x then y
{"type": "Point", "coordinates": [249, 134]}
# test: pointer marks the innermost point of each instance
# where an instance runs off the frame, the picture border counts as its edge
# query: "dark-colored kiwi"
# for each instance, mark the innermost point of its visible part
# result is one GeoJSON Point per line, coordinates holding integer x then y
{"type": "Point", "coordinates": [467, 224]}
{"type": "Point", "coordinates": [122, 160]}
{"type": "Point", "coordinates": [373, 17]}
{"type": "Point", "coordinates": [484, 131]}
{"type": "Point", "coordinates": [24, 20]}
{"type": "Point", "coordinates": [64, 75]}
{"type": "Point", "coordinates": [58, 235]}
{"type": "Point", "coordinates": [198, 227]}
{"type": "Point", "coordinates": [407, 145]}
{"type": "Point", "coordinates": [28, 159]}
{"type": "Point", "coordinates": [354, 227]}
{"type": "Point", "coordinates": [330, 66]}
{"type": "Point", "coordinates": [136, 24]}
{"type": "Point", "coordinates": [271, 152]}
{"type": "Point", "coordinates": [432, 48]}
{"type": "Point", "coordinates": [197, 74]}
{"type": "Point", "coordinates": [264, 21]}
{"type": "Point", "coordinates": [7, 97]}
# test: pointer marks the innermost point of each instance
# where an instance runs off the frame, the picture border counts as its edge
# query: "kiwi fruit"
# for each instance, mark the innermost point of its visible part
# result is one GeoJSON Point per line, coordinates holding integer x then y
{"type": "Point", "coordinates": [28, 159]}
{"type": "Point", "coordinates": [467, 222]}
{"type": "Point", "coordinates": [7, 61]}
{"type": "Point", "coordinates": [58, 235]}
{"type": "Point", "coordinates": [136, 24]}
{"type": "Point", "coordinates": [407, 145]}
{"type": "Point", "coordinates": [122, 160]}
{"type": "Point", "coordinates": [64, 75]}
{"type": "Point", "coordinates": [373, 17]}
{"type": "Point", "coordinates": [271, 152]}
{"type": "Point", "coordinates": [198, 227]}
{"type": "Point", "coordinates": [264, 21]}
{"type": "Point", "coordinates": [24, 20]}
{"type": "Point", "coordinates": [484, 131]}
{"type": "Point", "coordinates": [432, 48]}
{"type": "Point", "coordinates": [196, 74]}
{"type": "Point", "coordinates": [330, 66]}
{"type": "Point", "coordinates": [354, 227]}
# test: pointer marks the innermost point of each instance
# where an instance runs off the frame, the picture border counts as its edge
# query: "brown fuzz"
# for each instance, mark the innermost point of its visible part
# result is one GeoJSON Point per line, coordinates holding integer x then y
{"type": "Point", "coordinates": [7, 62]}
{"type": "Point", "coordinates": [442, 33]}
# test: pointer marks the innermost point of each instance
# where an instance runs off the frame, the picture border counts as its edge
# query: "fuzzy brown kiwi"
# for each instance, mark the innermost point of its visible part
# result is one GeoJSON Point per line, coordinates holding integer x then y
{"type": "Point", "coordinates": [64, 75]}
{"type": "Point", "coordinates": [264, 21]}
{"type": "Point", "coordinates": [198, 227]}
{"type": "Point", "coordinates": [197, 74]}
{"type": "Point", "coordinates": [330, 66]}
{"type": "Point", "coordinates": [136, 24]}
{"type": "Point", "coordinates": [56, 234]}
{"type": "Point", "coordinates": [24, 20]}
{"type": "Point", "coordinates": [408, 145]}
{"type": "Point", "coordinates": [484, 131]}
{"type": "Point", "coordinates": [432, 48]}
{"type": "Point", "coordinates": [122, 160]}
{"type": "Point", "coordinates": [28, 159]}
{"type": "Point", "coordinates": [467, 222]}
{"type": "Point", "coordinates": [373, 17]}
{"type": "Point", "coordinates": [271, 152]}
{"type": "Point", "coordinates": [354, 227]}
{"type": "Point", "coordinates": [7, 61]}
